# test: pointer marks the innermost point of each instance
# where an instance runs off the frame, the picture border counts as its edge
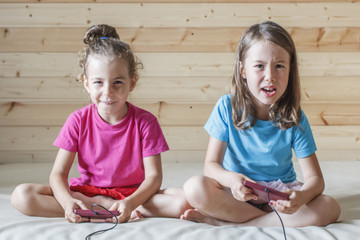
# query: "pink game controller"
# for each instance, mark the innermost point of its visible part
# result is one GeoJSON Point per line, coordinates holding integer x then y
{"type": "Point", "coordinates": [99, 214]}
{"type": "Point", "coordinates": [261, 192]}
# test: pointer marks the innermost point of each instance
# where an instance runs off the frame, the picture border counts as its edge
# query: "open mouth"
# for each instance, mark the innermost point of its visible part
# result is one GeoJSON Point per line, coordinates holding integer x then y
{"type": "Point", "coordinates": [269, 91]}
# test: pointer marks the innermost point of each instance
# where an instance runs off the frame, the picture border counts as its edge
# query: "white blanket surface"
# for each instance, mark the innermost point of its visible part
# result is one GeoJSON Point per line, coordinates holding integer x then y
{"type": "Point", "coordinates": [342, 182]}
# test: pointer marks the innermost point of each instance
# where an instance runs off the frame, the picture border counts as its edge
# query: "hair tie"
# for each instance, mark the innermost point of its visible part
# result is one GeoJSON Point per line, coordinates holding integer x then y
{"type": "Point", "coordinates": [104, 38]}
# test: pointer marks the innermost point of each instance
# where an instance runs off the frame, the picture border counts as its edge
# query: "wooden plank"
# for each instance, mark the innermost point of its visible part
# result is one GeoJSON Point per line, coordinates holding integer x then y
{"type": "Point", "coordinates": [171, 89]}
{"type": "Point", "coordinates": [27, 156]}
{"type": "Point", "coordinates": [319, 114]}
{"type": "Point", "coordinates": [35, 156]}
{"type": "Point", "coordinates": [168, 113]}
{"type": "Point", "coordinates": [171, 1]}
{"type": "Point", "coordinates": [156, 64]}
{"type": "Point", "coordinates": [13, 114]}
{"type": "Point", "coordinates": [62, 90]}
{"type": "Point", "coordinates": [180, 138]}
{"type": "Point", "coordinates": [28, 138]}
{"type": "Point", "coordinates": [41, 138]}
{"type": "Point", "coordinates": [337, 137]}
{"type": "Point", "coordinates": [170, 64]}
{"type": "Point", "coordinates": [45, 89]}
{"type": "Point", "coordinates": [46, 114]}
{"type": "Point", "coordinates": [17, 40]}
{"type": "Point", "coordinates": [340, 89]}
{"type": "Point", "coordinates": [338, 155]}
{"type": "Point", "coordinates": [179, 14]}
{"type": "Point", "coordinates": [333, 114]}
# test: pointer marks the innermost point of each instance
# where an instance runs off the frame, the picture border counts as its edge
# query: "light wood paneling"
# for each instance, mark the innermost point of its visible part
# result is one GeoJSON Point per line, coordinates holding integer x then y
{"type": "Point", "coordinates": [172, 1]}
{"type": "Point", "coordinates": [169, 64]}
{"type": "Point", "coordinates": [179, 14]}
{"type": "Point", "coordinates": [331, 89]}
{"type": "Point", "coordinates": [330, 39]}
{"type": "Point", "coordinates": [188, 50]}
{"type": "Point", "coordinates": [180, 138]}
{"type": "Point", "coordinates": [168, 114]}
{"type": "Point", "coordinates": [172, 156]}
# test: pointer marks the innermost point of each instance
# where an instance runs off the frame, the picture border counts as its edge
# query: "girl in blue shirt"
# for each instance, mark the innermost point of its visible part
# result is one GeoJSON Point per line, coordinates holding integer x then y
{"type": "Point", "coordinates": [253, 132]}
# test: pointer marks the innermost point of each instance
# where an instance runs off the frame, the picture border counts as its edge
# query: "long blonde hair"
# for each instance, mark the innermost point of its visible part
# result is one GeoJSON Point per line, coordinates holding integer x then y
{"type": "Point", "coordinates": [286, 112]}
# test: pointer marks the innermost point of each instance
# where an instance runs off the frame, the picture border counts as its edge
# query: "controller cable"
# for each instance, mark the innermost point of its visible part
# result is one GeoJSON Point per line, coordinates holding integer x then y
{"type": "Point", "coordinates": [282, 224]}
{"type": "Point", "coordinates": [104, 230]}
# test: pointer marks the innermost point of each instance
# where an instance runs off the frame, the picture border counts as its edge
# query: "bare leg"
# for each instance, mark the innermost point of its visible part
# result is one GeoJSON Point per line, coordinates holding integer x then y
{"type": "Point", "coordinates": [321, 211]}
{"type": "Point", "coordinates": [196, 216]}
{"type": "Point", "coordinates": [210, 199]}
{"type": "Point", "coordinates": [38, 200]}
{"type": "Point", "coordinates": [170, 202]}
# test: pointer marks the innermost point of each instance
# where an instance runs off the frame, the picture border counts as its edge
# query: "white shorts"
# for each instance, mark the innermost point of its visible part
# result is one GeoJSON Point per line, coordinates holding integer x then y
{"type": "Point", "coordinates": [280, 186]}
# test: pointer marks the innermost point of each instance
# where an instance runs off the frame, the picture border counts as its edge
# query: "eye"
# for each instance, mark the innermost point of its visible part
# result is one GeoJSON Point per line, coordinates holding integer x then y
{"type": "Point", "coordinates": [259, 66]}
{"type": "Point", "coordinates": [117, 82]}
{"type": "Point", "coordinates": [279, 66]}
{"type": "Point", "coordinates": [98, 82]}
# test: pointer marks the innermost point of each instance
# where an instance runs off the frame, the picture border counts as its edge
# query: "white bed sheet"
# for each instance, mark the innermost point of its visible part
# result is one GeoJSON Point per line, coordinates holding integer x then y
{"type": "Point", "coordinates": [342, 182]}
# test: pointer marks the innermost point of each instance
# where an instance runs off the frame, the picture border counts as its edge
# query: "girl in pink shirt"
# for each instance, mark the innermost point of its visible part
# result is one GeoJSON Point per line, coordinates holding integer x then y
{"type": "Point", "coordinates": [118, 145]}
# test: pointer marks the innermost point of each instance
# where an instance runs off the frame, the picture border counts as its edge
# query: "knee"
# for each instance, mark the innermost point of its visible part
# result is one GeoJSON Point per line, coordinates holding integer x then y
{"type": "Point", "coordinates": [333, 207]}
{"type": "Point", "coordinates": [330, 211]}
{"type": "Point", "coordinates": [21, 198]}
{"type": "Point", "coordinates": [196, 190]}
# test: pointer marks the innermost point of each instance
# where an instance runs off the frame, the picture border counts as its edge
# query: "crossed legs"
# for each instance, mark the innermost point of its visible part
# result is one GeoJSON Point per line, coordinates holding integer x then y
{"type": "Point", "coordinates": [216, 206]}
{"type": "Point", "coordinates": [38, 200]}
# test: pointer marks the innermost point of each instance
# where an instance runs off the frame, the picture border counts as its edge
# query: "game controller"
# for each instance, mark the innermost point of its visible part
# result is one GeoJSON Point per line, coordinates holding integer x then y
{"type": "Point", "coordinates": [98, 214]}
{"type": "Point", "coordinates": [261, 192]}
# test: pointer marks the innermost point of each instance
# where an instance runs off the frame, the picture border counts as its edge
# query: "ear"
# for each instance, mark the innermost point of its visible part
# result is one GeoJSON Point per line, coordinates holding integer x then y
{"type": "Point", "coordinates": [86, 85]}
{"type": "Point", "coordinates": [133, 82]}
{"type": "Point", "coordinates": [242, 71]}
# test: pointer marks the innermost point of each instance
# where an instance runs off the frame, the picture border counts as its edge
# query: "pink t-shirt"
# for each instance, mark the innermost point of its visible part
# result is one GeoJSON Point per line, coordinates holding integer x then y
{"type": "Point", "coordinates": [111, 155]}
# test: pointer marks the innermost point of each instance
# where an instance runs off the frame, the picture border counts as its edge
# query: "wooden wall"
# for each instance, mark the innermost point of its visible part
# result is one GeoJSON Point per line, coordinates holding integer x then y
{"type": "Point", "coordinates": [187, 48]}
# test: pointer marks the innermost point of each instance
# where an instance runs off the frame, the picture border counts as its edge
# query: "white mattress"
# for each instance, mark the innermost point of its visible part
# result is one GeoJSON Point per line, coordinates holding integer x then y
{"type": "Point", "coordinates": [342, 182]}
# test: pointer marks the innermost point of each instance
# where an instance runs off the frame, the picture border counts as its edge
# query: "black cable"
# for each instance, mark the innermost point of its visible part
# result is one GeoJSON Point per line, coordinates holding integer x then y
{"type": "Point", "coordinates": [282, 224]}
{"type": "Point", "coordinates": [104, 230]}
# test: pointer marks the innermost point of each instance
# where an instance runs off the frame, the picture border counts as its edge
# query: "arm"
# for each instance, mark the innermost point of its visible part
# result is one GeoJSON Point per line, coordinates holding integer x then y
{"type": "Point", "coordinates": [59, 184]}
{"type": "Point", "coordinates": [313, 179]}
{"type": "Point", "coordinates": [213, 168]}
{"type": "Point", "coordinates": [151, 185]}
{"type": "Point", "coordinates": [313, 186]}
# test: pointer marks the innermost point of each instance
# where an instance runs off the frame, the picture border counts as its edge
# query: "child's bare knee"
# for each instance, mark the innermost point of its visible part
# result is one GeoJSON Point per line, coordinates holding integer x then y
{"type": "Point", "coordinates": [21, 197]}
{"type": "Point", "coordinates": [329, 212]}
{"type": "Point", "coordinates": [192, 186]}
{"type": "Point", "coordinates": [196, 190]}
{"type": "Point", "coordinates": [333, 209]}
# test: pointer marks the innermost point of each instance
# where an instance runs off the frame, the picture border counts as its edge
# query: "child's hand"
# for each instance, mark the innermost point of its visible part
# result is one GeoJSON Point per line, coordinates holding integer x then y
{"type": "Point", "coordinates": [289, 206]}
{"type": "Point", "coordinates": [70, 206]}
{"type": "Point", "coordinates": [125, 208]}
{"type": "Point", "coordinates": [241, 192]}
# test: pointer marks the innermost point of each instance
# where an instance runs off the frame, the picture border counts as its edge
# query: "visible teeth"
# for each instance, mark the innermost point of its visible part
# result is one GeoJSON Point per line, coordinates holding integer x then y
{"type": "Point", "coordinates": [269, 89]}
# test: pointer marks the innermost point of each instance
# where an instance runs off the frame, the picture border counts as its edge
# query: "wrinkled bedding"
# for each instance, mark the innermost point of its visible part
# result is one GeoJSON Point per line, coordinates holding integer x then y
{"type": "Point", "coordinates": [342, 182]}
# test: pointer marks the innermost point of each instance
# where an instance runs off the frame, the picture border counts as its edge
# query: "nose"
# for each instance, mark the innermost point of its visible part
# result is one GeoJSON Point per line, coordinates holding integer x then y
{"type": "Point", "coordinates": [107, 90]}
{"type": "Point", "coordinates": [269, 74]}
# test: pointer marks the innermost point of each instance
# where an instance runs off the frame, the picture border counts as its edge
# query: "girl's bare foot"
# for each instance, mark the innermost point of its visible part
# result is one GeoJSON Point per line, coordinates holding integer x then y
{"type": "Point", "coordinates": [196, 216]}
{"type": "Point", "coordinates": [136, 215]}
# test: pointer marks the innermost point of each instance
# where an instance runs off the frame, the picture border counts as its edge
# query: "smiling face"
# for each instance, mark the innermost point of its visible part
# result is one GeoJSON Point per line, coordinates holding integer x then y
{"type": "Point", "coordinates": [108, 83]}
{"type": "Point", "coordinates": [266, 70]}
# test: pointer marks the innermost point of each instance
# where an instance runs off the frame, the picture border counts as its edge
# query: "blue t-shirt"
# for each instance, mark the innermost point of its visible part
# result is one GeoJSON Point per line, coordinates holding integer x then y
{"type": "Point", "coordinates": [263, 152]}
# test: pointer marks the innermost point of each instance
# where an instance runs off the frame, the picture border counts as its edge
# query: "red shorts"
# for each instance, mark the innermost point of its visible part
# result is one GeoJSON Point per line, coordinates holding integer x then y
{"type": "Point", "coordinates": [116, 193]}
